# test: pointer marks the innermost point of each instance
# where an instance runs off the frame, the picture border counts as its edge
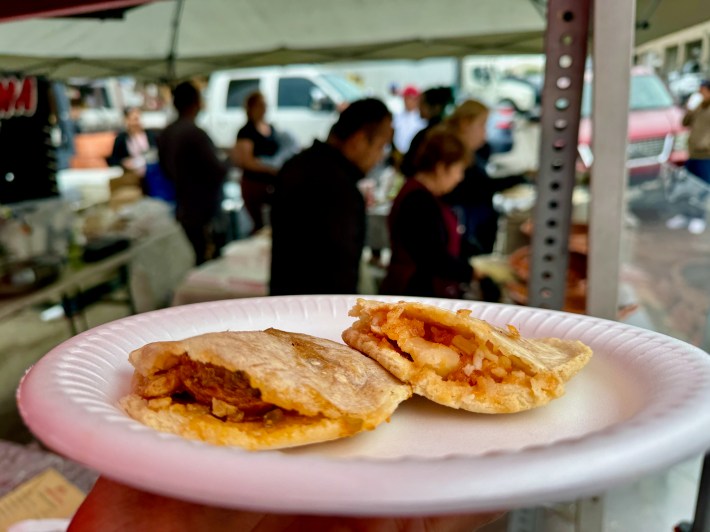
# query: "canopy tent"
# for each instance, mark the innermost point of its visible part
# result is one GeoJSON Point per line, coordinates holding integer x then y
{"type": "Point", "coordinates": [205, 35]}
{"type": "Point", "coordinates": [182, 38]}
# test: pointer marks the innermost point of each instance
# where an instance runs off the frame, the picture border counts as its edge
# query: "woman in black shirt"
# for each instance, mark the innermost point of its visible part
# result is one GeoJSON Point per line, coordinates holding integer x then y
{"type": "Point", "coordinates": [256, 139]}
{"type": "Point", "coordinates": [131, 145]}
{"type": "Point", "coordinates": [472, 199]}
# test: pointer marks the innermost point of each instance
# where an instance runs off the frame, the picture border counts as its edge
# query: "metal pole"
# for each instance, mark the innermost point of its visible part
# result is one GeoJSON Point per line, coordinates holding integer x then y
{"type": "Point", "coordinates": [701, 522]}
{"type": "Point", "coordinates": [612, 56]}
{"type": "Point", "coordinates": [566, 50]}
{"type": "Point", "coordinates": [172, 72]}
{"type": "Point", "coordinates": [612, 65]}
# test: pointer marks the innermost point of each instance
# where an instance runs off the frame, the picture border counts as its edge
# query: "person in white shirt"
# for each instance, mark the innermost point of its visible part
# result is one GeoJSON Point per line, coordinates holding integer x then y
{"type": "Point", "coordinates": [409, 122]}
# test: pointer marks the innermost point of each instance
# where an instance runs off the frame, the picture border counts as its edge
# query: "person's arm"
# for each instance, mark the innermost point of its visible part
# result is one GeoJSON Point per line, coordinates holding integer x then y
{"type": "Point", "coordinates": [164, 160]}
{"type": "Point", "coordinates": [119, 152]}
{"type": "Point", "coordinates": [477, 185]}
{"type": "Point", "coordinates": [421, 228]}
{"type": "Point", "coordinates": [211, 165]}
{"type": "Point", "coordinates": [243, 155]}
{"type": "Point", "coordinates": [498, 184]}
{"type": "Point", "coordinates": [689, 117]}
{"type": "Point", "coordinates": [407, 166]}
{"type": "Point", "coordinates": [113, 507]}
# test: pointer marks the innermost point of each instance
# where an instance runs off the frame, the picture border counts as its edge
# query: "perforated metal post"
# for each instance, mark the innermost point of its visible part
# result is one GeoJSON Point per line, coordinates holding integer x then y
{"type": "Point", "coordinates": [566, 50]}
{"type": "Point", "coordinates": [702, 508]}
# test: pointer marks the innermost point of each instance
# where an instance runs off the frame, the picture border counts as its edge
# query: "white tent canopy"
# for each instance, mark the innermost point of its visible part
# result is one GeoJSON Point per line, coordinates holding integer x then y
{"type": "Point", "coordinates": [216, 34]}
{"type": "Point", "coordinates": [205, 35]}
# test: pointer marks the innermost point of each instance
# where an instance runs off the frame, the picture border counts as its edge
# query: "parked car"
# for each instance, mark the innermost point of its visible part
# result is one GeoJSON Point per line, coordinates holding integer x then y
{"type": "Point", "coordinates": [303, 101]}
{"type": "Point", "coordinates": [499, 128]}
{"type": "Point", "coordinates": [655, 135]}
{"type": "Point", "coordinates": [99, 105]}
{"type": "Point", "coordinates": [490, 85]}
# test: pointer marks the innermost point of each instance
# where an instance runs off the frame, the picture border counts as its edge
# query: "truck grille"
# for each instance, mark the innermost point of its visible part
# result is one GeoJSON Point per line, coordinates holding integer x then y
{"type": "Point", "coordinates": [646, 148]}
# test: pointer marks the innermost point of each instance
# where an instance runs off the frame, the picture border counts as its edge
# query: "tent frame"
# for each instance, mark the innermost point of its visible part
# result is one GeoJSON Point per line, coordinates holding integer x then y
{"type": "Point", "coordinates": [612, 66]}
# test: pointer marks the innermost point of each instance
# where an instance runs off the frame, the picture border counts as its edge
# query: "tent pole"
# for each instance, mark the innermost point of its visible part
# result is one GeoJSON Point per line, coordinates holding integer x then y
{"type": "Point", "coordinates": [612, 55]}
{"type": "Point", "coordinates": [566, 40]}
{"type": "Point", "coordinates": [566, 50]}
{"type": "Point", "coordinates": [612, 51]}
{"type": "Point", "coordinates": [172, 71]}
{"type": "Point", "coordinates": [702, 507]}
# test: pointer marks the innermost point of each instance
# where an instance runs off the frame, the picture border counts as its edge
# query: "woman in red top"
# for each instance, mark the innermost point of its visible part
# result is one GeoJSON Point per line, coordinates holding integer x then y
{"type": "Point", "coordinates": [423, 230]}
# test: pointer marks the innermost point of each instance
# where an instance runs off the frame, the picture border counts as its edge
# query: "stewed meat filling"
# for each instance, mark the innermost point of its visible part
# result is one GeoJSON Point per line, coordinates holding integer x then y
{"type": "Point", "coordinates": [228, 394]}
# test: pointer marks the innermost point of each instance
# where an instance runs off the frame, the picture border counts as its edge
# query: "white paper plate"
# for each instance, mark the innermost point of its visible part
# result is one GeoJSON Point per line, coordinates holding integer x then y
{"type": "Point", "coordinates": [640, 405]}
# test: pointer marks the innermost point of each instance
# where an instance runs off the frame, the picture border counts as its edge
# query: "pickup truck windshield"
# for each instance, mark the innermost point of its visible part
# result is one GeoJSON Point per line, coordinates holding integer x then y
{"type": "Point", "coordinates": [647, 92]}
{"type": "Point", "coordinates": [348, 91]}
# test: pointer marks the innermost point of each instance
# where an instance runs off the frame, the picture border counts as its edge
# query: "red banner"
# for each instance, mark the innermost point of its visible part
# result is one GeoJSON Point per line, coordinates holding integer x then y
{"type": "Point", "coordinates": [60, 8]}
{"type": "Point", "coordinates": [18, 96]}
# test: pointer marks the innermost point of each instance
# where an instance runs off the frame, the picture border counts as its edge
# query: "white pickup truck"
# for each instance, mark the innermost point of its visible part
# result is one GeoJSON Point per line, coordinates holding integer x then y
{"type": "Point", "coordinates": [489, 84]}
{"type": "Point", "coordinates": [103, 102]}
{"type": "Point", "coordinates": [302, 101]}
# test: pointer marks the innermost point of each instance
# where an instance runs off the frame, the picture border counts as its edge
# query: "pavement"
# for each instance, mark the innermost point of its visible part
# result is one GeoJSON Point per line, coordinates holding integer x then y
{"type": "Point", "coordinates": [668, 271]}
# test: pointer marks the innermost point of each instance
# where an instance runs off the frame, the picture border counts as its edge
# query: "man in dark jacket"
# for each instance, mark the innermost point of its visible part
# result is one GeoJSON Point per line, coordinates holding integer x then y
{"type": "Point", "coordinates": [318, 214]}
{"type": "Point", "coordinates": [189, 159]}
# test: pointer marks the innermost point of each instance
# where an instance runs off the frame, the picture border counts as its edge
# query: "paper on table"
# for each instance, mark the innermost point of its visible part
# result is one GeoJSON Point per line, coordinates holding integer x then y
{"type": "Point", "coordinates": [46, 495]}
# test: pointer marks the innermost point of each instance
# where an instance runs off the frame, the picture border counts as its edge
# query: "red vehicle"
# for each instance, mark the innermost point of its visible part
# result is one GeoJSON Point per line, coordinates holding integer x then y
{"type": "Point", "coordinates": [656, 133]}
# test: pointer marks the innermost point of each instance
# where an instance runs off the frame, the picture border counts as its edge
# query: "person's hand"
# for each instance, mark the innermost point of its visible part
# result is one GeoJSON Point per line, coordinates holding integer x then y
{"type": "Point", "coordinates": [113, 507]}
{"type": "Point", "coordinates": [477, 275]}
{"type": "Point", "coordinates": [531, 174]}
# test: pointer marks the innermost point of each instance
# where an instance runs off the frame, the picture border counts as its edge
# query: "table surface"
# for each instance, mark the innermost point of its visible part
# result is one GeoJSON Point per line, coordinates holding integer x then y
{"type": "Point", "coordinates": [19, 463]}
{"type": "Point", "coordinates": [242, 271]}
{"type": "Point", "coordinates": [74, 278]}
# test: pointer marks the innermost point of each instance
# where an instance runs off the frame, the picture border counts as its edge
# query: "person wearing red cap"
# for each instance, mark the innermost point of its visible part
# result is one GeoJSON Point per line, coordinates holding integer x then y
{"type": "Point", "coordinates": [409, 122]}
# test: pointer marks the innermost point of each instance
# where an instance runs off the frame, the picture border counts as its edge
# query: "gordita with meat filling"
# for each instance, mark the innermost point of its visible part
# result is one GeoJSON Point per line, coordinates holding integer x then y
{"type": "Point", "coordinates": [260, 389]}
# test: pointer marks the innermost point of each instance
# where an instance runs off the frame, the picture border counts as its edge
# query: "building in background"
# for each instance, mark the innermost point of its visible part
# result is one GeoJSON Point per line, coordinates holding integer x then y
{"type": "Point", "coordinates": [681, 58]}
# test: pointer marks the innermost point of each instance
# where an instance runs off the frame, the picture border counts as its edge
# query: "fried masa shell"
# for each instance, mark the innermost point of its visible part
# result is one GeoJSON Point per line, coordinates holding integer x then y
{"type": "Point", "coordinates": [511, 374]}
{"type": "Point", "coordinates": [329, 389]}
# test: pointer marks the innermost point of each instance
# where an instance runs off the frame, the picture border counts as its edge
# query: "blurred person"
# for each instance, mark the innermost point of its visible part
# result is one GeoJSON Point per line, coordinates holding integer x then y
{"type": "Point", "coordinates": [425, 243]}
{"type": "Point", "coordinates": [255, 140]}
{"type": "Point", "coordinates": [697, 118]}
{"type": "Point", "coordinates": [472, 199]}
{"type": "Point", "coordinates": [409, 121]}
{"type": "Point", "coordinates": [432, 106]}
{"type": "Point", "coordinates": [67, 126]}
{"type": "Point", "coordinates": [189, 159]}
{"type": "Point", "coordinates": [131, 146]}
{"type": "Point", "coordinates": [694, 100]}
{"type": "Point", "coordinates": [111, 507]}
{"type": "Point", "coordinates": [318, 214]}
